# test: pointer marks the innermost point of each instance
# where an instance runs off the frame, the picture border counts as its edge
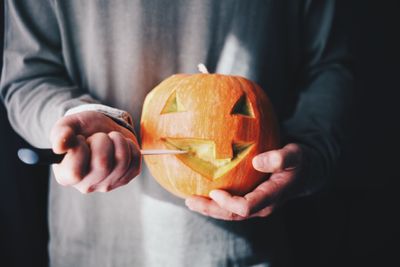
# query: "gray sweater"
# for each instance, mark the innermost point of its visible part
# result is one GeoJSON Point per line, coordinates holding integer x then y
{"type": "Point", "coordinates": [59, 54]}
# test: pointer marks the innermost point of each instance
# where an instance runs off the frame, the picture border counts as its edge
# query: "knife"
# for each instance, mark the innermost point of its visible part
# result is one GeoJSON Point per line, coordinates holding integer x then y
{"type": "Point", "coordinates": [38, 156]}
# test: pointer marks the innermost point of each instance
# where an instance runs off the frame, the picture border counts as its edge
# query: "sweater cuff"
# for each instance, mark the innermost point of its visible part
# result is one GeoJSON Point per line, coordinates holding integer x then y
{"type": "Point", "coordinates": [121, 117]}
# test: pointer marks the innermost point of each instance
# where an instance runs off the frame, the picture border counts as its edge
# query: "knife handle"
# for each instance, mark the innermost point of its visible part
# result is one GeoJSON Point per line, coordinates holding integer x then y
{"type": "Point", "coordinates": [46, 156]}
{"type": "Point", "coordinates": [38, 156]}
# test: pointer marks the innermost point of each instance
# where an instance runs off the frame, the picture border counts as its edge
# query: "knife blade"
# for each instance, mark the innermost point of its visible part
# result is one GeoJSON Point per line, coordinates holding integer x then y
{"type": "Point", "coordinates": [39, 156]}
{"type": "Point", "coordinates": [145, 152]}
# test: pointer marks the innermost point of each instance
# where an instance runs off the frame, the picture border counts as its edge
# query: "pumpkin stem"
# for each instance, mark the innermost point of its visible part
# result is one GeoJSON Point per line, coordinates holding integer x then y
{"type": "Point", "coordinates": [202, 68]}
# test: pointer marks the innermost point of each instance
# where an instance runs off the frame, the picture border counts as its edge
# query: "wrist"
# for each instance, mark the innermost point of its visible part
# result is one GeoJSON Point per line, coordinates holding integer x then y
{"type": "Point", "coordinates": [119, 116]}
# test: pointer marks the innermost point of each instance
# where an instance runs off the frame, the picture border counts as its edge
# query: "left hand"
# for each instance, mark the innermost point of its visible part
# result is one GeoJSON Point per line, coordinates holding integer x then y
{"type": "Point", "coordinates": [283, 164]}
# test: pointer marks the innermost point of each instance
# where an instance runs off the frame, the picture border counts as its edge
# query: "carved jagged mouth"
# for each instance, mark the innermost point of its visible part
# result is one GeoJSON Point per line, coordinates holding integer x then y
{"type": "Point", "coordinates": [201, 156]}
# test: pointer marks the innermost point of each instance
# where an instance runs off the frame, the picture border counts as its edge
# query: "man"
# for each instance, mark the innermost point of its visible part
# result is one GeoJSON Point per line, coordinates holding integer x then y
{"type": "Point", "coordinates": [68, 62]}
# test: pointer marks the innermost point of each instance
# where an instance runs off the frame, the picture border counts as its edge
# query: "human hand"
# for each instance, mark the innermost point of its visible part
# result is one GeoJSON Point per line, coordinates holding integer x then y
{"type": "Point", "coordinates": [100, 155]}
{"type": "Point", "coordinates": [283, 164]}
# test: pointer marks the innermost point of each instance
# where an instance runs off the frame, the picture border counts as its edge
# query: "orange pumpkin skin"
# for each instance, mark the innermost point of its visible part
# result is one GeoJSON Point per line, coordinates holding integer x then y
{"type": "Point", "coordinates": [223, 121]}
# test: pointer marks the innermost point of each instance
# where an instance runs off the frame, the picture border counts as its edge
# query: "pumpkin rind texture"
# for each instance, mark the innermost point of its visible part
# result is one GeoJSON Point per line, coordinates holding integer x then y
{"type": "Point", "coordinates": [222, 121]}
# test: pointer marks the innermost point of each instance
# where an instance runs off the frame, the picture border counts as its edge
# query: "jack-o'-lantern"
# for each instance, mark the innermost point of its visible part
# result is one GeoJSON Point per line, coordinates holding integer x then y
{"type": "Point", "coordinates": [222, 121]}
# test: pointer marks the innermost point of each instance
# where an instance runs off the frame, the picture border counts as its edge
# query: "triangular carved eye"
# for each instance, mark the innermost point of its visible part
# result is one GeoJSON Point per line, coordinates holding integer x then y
{"type": "Point", "coordinates": [172, 104]}
{"type": "Point", "coordinates": [243, 107]}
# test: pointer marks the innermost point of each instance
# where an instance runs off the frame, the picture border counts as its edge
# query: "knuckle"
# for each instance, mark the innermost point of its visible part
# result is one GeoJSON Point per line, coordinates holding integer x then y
{"type": "Point", "coordinates": [97, 137]}
{"type": "Point", "coordinates": [100, 135]}
{"type": "Point", "coordinates": [115, 134]}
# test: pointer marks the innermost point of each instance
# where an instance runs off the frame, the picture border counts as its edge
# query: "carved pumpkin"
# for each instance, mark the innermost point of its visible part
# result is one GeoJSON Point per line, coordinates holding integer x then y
{"type": "Point", "coordinates": [222, 121]}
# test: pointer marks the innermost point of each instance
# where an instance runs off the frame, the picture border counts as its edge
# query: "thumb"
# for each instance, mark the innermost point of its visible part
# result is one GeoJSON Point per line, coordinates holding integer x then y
{"type": "Point", "coordinates": [278, 160]}
{"type": "Point", "coordinates": [63, 135]}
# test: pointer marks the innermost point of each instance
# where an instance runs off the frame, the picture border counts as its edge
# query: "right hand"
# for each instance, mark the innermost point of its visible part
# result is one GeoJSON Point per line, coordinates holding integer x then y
{"type": "Point", "coordinates": [100, 155]}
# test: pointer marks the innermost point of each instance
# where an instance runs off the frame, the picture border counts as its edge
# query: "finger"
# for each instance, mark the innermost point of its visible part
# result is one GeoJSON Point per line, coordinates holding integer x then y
{"type": "Point", "coordinates": [63, 133]}
{"type": "Point", "coordinates": [265, 212]}
{"type": "Point", "coordinates": [269, 191]}
{"type": "Point", "coordinates": [134, 166]}
{"type": "Point", "coordinates": [278, 160]}
{"type": "Point", "coordinates": [234, 204]}
{"type": "Point", "coordinates": [101, 163]}
{"type": "Point", "coordinates": [74, 165]}
{"type": "Point", "coordinates": [122, 159]}
{"type": "Point", "coordinates": [263, 195]}
{"type": "Point", "coordinates": [208, 207]}
{"type": "Point", "coordinates": [63, 137]}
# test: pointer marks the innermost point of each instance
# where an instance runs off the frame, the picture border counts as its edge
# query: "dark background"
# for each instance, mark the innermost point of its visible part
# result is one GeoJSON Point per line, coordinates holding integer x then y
{"type": "Point", "coordinates": [353, 222]}
{"type": "Point", "coordinates": [23, 193]}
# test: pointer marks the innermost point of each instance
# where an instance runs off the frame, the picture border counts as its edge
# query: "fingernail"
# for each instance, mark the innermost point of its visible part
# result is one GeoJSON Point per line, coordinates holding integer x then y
{"type": "Point", "coordinates": [275, 160]}
{"type": "Point", "coordinates": [91, 189]}
{"type": "Point", "coordinates": [213, 194]}
{"type": "Point", "coordinates": [189, 204]}
{"type": "Point", "coordinates": [258, 162]}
